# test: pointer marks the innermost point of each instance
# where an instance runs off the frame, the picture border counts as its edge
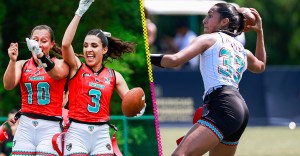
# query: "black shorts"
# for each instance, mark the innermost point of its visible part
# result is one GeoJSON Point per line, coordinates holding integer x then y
{"type": "Point", "coordinates": [226, 114]}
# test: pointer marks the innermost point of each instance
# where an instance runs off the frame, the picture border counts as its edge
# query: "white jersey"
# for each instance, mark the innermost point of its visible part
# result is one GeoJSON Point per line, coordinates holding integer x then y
{"type": "Point", "coordinates": [223, 63]}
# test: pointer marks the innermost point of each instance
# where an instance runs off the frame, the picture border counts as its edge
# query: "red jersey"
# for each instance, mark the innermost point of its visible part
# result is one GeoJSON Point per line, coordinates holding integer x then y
{"type": "Point", "coordinates": [41, 94]}
{"type": "Point", "coordinates": [90, 94]}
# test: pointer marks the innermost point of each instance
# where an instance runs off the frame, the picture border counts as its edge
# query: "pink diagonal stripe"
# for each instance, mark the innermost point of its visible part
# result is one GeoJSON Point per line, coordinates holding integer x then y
{"type": "Point", "coordinates": [156, 118]}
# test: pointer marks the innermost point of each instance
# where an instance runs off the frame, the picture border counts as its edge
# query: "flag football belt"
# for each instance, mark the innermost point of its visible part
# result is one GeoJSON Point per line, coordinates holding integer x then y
{"type": "Point", "coordinates": [114, 142]}
{"type": "Point", "coordinates": [215, 88]}
{"type": "Point", "coordinates": [3, 132]}
{"type": "Point", "coordinates": [197, 116]}
{"type": "Point", "coordinates": [49, 118]}
{"type": "Point", "coordinates": [65, 124]}
{"type": "Point", "coordinates": [95, 123]}
{"type": "Point", "coordinates": [210, 90]}
{"type": "Point", "coordinates": [43, 117]}
{"type": "Point", "coordinates": [35, 116]}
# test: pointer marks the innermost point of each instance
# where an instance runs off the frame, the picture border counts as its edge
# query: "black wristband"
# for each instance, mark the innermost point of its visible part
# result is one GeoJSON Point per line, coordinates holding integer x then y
{"type": "Point", "coordinates": [47, 63]}
{"type": "Point", "coordinates": [156, 59]}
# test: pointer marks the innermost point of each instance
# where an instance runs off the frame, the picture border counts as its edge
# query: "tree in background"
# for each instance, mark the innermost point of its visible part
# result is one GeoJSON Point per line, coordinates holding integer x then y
{"type": "Point", "coordinates": [110, 15]}
{"type": "Point", "coordinates": [281, 22]}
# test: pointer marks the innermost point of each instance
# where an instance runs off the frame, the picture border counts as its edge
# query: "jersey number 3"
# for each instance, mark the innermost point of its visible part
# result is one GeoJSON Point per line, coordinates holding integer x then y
{"type": "Point", "coordinates": [232, 65]}
{"type": "Point", "coordinates": [96, 95]}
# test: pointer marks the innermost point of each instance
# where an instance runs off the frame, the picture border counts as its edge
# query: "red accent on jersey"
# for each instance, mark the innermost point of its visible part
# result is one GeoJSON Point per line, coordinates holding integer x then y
{"type": "Point", "coordinates": [90, 94]}
{"type": "Point", "coordinates": [23, 153]}
{"type": "Point", "coordinates": [41, 94]}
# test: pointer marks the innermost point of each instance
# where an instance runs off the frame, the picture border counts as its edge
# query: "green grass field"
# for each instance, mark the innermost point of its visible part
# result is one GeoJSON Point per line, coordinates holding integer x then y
{"type": "Point", "coordinates": [256, 141]}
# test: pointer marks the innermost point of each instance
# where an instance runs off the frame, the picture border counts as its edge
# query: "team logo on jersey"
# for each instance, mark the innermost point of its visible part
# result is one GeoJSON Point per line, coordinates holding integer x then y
{"type": "Point", "coordinates": [69, 146]}
{"type": "Point", "coordinates": [96, 74]}
{"type": "Point", "coordinates": [35, 123]}
{"type": "Point", "coordinates": [37, 73]}
{"type": "Point", "coordinates": [36, 78]}
{"type": "Point", "coordinates": [91, 128]}
{"type": "Point", "coordinates": [205, 111]}
{"type": "Point", "coordinates": [107, 80]}
{"type": "Point", "coordinates": [108, 146]}
{"type": "Point", "coordinates": [96, 85]}
{"type": "Point", "coordinates": [27, 70]}
{"type": "Point", "coordinates": [85, 74]}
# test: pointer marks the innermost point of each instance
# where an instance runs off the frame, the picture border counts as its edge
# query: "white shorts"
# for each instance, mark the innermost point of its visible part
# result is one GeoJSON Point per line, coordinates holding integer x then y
{"type": "Point", "coordinates": [88, 139]}
{"type": "Point", "coordinates": [35, 136]}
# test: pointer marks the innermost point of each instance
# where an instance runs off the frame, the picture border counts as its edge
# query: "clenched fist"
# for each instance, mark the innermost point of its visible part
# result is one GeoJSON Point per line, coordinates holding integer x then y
{"type": "Point", "coordinates": [13, 51]}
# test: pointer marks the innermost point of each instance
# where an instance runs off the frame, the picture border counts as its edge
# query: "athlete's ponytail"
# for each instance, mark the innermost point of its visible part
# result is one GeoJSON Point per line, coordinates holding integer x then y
{"type": "Point", "coordinates": [116, 47]}
{"type": "Point", "coordinates": [236, 19]}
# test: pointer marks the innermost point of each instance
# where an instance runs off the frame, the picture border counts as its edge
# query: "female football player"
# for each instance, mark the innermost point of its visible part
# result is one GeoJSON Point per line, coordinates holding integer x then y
{"type": "Point", "coordinates": [222, 63]}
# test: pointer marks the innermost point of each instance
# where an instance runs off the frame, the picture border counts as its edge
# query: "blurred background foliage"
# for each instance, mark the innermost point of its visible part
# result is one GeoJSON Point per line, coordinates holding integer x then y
{"type": "Point", "coordinates": [120, 17]}
{"type": "Point", "coordinates": [281, 20]}
{"type": "Point", "coordinates": [18, 18]}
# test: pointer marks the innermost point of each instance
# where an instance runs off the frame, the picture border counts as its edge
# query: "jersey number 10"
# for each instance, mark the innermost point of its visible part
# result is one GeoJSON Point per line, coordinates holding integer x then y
{"type": "Point", "coordinates": [43, 93]}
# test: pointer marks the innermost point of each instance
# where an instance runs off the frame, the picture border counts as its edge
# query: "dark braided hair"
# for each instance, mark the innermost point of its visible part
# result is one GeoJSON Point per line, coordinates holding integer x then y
{"type": "Point", "coordinates": [236, 19]}
{"type": "Point", "coordinates": [116, 47]}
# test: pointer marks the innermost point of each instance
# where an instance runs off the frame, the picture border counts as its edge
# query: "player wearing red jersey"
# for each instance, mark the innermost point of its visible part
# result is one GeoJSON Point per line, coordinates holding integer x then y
{"type": "Point", "coordinates": [42, 95]}
{"type": "Point", "coordinates": [91, 86]}
{"type": "Point", "coordinates": [39, 89]}
{"type": "Point", "coordinates": [91, 93]}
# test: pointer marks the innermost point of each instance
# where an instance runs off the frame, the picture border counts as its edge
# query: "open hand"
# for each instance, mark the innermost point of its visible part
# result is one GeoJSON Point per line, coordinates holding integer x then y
{"type": "Point", "coordinates": [258, 26]}
{"type": "Point", "coordinates": [83, 7]}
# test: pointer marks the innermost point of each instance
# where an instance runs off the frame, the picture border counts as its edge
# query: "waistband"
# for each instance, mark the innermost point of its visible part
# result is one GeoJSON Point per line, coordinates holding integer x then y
{"type": "Point", "coordinates": [94, 123]}
{"type": "Point", "coordinates": [209, 94]}
{"type": "Point", "coordinates": [43, 117]}
{"type": "Point", "coordinates": [210, 90]}
{"type": "Point", "coordinates": [215, 88]}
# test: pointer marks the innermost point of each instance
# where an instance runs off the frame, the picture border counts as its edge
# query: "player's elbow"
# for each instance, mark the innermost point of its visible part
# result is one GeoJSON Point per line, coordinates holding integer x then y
{"type": "Point", "coordinates": [8, 86]}
{"type": "Point", "coordinates": [262, 69]}
{"type": "Point", "coordinates": [65, 45]}
{"type": "Point", "coordinates": [259, 69]}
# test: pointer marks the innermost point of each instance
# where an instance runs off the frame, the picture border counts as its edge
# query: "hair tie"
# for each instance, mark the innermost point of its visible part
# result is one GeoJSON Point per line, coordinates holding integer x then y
{"type": "Point", "coordinates": [107, 34]}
